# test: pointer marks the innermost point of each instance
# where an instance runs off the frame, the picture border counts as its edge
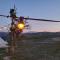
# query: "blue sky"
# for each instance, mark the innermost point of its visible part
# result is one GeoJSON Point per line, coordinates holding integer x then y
{"type": "Point", "coordinates": [45, 9]}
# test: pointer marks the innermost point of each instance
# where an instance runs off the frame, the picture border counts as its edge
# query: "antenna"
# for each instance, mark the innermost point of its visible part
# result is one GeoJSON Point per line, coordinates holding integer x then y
{"type": "Point", "coordinates": [14, 7]}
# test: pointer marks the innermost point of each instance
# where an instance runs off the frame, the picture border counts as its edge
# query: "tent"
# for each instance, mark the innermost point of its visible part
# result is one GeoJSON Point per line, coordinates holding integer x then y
{"type": "Point", "coordinates": [3, 44]}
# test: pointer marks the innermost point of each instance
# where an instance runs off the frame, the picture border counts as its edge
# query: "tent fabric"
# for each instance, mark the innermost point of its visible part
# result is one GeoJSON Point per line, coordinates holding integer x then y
{"type": "Point", "coordinates": [3, 44]}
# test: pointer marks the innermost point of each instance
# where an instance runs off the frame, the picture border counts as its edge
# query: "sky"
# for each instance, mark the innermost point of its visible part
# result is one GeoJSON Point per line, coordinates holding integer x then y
{"type": "Point", "coordinates": [44, 9]}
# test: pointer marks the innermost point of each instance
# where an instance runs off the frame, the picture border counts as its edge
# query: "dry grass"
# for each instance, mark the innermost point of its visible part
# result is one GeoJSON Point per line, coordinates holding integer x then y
{"type": "Point", "coordinates": [34, 50]}
{"type": "Point", "coordinates": [31, 48]}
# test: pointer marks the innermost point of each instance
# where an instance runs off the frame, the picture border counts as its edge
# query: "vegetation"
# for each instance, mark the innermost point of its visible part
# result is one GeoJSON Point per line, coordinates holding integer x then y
{"type": "Point", "coordinates": [2, 53]}
{"type": "Point", "coordinates": [30, 48]}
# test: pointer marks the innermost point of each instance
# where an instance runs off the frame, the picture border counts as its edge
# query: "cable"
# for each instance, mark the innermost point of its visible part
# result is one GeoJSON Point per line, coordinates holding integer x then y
{"type": "Point", "coordinates": [41, 20]}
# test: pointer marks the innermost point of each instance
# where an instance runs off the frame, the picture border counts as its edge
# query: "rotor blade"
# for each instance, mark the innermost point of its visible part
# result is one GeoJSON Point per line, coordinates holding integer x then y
{"type": "Point", "coordinates": [41, 20]}
{"type": "Point", "coordinates": [4, 16]}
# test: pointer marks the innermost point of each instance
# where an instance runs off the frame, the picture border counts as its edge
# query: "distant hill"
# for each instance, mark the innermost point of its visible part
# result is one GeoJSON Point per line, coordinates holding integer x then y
{"type": "Point", "coordinates": [43, 34]}
{"type": "Point", "coordinates": [4, 35]}
{"type": "Point", "coordinates": [40, 35]}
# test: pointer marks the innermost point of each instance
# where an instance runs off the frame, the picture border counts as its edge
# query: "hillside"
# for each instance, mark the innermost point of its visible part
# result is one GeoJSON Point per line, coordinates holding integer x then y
{"type": "Point", "coordinates": [38, 46]}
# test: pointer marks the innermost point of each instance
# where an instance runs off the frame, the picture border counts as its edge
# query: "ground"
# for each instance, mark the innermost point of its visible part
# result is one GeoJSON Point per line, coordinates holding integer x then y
{"type": "Point", "coordinates": [48, 49]}
{"type": "Point", "coordinates": [38, 48]}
